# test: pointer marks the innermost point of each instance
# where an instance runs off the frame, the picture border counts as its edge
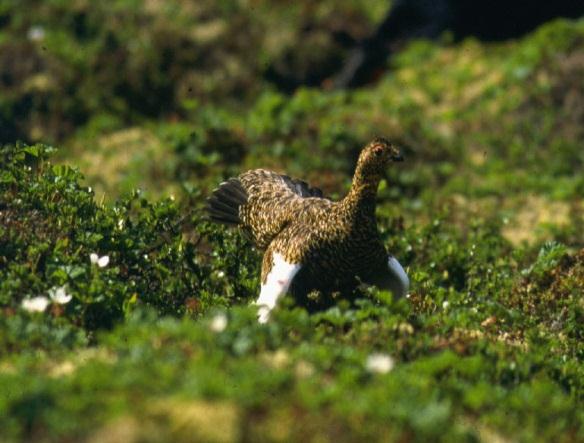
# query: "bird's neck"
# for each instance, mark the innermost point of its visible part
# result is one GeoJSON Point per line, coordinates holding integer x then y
{"type": "Point", "coordinates": [360, 201]}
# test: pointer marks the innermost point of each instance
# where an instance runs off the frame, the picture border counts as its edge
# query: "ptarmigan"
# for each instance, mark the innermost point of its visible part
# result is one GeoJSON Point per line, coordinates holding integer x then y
{"type": "Point", "coordinates": [310, 242]}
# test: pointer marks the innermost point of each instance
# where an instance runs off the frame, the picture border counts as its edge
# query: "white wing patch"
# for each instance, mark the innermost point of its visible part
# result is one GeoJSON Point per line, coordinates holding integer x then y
{"type": "Point", "coordinates": [277, 284]}
{"type": "Point", "coordinates": [402, 282]}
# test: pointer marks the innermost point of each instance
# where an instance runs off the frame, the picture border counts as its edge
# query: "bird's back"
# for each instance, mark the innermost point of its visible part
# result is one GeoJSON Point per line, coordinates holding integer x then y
{"type": "Point", "coordinates": [264, 203]}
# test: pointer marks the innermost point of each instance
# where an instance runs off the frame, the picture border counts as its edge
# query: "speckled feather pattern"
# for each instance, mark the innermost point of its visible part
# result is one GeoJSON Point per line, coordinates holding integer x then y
{"type": "Point", "coordinates": [335, 242]}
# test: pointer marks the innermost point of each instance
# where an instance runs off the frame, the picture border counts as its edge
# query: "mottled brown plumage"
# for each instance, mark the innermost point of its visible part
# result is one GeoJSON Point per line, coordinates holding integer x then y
{"type": "Point", "coordinates": [337, 243]}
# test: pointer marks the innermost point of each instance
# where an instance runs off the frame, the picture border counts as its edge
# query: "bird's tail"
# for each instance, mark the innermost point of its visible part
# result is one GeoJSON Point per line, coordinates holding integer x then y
{"type": "Point", "coordinates": [223, 205]}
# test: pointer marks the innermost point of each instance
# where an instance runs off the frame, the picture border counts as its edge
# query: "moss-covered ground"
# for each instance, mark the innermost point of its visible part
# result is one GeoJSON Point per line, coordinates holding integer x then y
{"type": "Point", "coordinates": [124, 315]}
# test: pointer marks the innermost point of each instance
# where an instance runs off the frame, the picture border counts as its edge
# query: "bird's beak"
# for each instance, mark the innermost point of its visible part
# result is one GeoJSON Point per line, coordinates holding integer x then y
{"type": "Point", "coordinates": [397, 158]}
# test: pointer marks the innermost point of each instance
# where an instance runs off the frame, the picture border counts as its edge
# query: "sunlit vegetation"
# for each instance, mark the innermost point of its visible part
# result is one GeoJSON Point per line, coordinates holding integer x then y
{"type": "Point", "coordinates": [124, 314]}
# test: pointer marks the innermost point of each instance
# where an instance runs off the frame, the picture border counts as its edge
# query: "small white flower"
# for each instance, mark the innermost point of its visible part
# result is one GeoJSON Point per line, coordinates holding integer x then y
{"type": "Point", "coordinates": [102, 262]}
{"type": "Point", "coordinates": [35, 304]}
{"type": "Point", "coordinates": [36, 33]}
{"type": "Point", "coordinates": [220, 274]}
{"type": "Point", "coordinates": [59, 295]}
{"type": "Point", "coordinates": [218, 323]}
{"type": "Point", "coordinates": [379, 363]}
{"type": "Point", "coordinates": [445, 304]}
{"type": "Point", "coordinates": [121, 224]}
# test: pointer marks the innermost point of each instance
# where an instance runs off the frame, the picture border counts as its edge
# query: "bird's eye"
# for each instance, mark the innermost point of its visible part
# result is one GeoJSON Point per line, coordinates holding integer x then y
{"type": "Point", "coordinates": [378, 150]}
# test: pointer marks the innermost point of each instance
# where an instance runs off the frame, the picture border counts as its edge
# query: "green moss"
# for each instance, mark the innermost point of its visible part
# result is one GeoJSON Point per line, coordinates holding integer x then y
{"type": "Point", "coordinates": [52, 225]}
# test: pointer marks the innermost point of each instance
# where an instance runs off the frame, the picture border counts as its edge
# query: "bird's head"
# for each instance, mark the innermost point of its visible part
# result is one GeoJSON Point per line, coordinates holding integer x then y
{"type": "Point", "coordinates": [376, 156]}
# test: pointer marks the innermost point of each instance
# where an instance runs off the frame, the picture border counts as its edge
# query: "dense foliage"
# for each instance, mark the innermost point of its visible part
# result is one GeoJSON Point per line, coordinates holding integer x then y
{"type": "Point", "coordinates": [124, 314]}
